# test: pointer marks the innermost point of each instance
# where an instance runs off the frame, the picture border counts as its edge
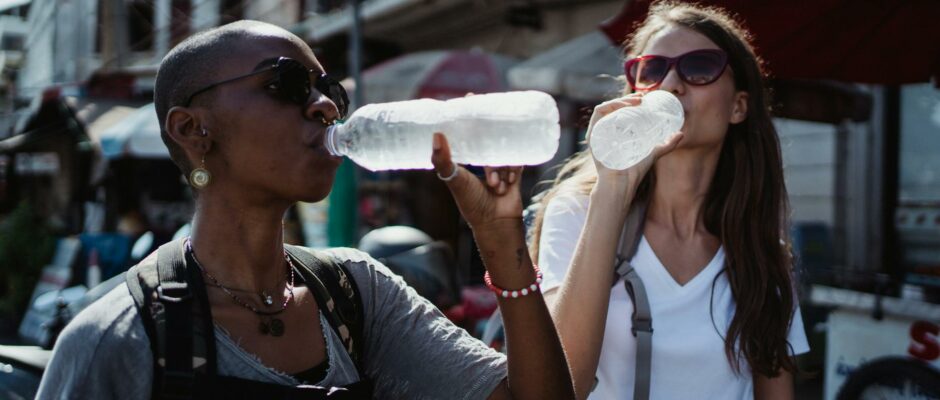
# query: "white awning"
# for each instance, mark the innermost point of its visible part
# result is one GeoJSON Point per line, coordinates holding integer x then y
{"type": "Point", "coordinates": [584, 68]}
{"type": "Point", "coordinates": [136, 135]}
{"type": "Point", "coordinates": [440, 74]}
{"type": "Point", "coordinates": [8, 4]}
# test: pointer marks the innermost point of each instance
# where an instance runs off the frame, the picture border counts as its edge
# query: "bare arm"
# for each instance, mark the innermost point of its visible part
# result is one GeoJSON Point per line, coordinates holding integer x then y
{"type": "Point", "coordinates": [779, 388]}
{"type": "Point", "coordinates": [579, 306]}
{"type": "Point", "coordinates": [537, 367]}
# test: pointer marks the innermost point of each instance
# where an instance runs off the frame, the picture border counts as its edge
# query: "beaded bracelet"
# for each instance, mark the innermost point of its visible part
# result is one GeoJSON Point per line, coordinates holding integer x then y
{"type": "Point", "coordinates": [534, 287]}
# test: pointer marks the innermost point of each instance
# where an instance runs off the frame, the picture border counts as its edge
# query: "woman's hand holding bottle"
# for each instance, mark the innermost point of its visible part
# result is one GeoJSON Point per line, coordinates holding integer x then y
{"type": "Point", "coordinates": [628, 179]}
{"type": "Point", "coordinates": [485, 204]}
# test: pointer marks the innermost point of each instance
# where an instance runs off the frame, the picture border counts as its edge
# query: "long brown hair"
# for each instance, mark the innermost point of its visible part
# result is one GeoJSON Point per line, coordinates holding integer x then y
{"type": "Point", "coordinates": [746, 205]}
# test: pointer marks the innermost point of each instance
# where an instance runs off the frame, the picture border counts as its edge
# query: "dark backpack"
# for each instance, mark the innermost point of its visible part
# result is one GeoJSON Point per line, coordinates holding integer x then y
{"type": "Point", "coordinates": [171, 299]}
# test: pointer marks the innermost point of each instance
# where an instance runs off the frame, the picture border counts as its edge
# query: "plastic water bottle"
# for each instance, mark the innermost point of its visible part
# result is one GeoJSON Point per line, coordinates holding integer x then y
{"type": "Point", "coordinates": [625, 137]}
{"type": "Point", "coordinates": [496, 129]}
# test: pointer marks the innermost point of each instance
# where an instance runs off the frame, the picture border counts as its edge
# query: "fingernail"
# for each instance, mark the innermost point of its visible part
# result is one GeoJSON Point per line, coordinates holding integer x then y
{"type": "Point", "coordinates": [494, 177]}
{"type": "Point", "coordinates": [512, 177]}
{"type": "Point", "coordinates": [437, 142]}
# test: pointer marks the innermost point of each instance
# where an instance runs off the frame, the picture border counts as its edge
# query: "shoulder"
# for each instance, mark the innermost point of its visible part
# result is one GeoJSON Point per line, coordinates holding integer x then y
{"type": "Point", "coordinates": [357, 262]}
{"type": "Point", "coordinates": [369, 274]}
{"type": "Point", "coordinates": [109, 319]}
{"type": "Point", "coordinates": [97, 348]}
{"type": "Point", "coordinates": [568, 203]}
{"type": "Point", "coordinates": [565, 214]}
{"type": "Point", "coordinates": [566, 209]}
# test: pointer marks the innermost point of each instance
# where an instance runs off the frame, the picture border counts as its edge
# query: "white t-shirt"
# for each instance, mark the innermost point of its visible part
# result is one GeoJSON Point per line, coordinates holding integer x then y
{"type": "Point", "coordinates": [688, 357]}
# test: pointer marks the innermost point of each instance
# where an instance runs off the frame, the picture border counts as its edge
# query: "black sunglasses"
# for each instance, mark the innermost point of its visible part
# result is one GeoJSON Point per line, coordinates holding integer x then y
{"type": "Point", "coordinates": [697, 67]}
{"type": "Point", "coordinates": [292, 83]}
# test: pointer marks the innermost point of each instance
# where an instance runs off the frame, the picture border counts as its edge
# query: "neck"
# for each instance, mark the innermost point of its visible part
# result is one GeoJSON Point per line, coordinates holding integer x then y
{"type": "Point", "coordinates": [240, 245]}
{"type": "Point", "coordinates": [683, 178]}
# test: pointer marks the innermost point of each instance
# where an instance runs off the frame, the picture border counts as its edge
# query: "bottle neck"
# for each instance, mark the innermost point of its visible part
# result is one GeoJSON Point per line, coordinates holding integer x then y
{"type": "Point", "coordinates": [332, 140]}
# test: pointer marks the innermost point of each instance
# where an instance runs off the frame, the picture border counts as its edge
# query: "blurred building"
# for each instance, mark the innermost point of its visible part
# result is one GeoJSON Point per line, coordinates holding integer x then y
{"type": "Point", "coordinates": [13, 31]}
{"type": "Point", "coordinates": [76, 136]}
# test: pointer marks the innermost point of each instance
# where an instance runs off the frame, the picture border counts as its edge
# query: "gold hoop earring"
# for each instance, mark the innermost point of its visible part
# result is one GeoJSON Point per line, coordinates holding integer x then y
{"type": "Point", "coordinates": [200, 177]}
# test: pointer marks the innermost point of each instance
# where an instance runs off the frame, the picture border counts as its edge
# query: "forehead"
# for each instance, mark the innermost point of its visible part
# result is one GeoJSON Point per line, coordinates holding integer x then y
{"type": "Point", "coordinates": [675, 40]}
{"type": "Point", "coordinates": [247, 54]}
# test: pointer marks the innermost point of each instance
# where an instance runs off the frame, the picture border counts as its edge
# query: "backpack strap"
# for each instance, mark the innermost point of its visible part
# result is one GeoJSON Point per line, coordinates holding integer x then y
{"type": "Point", "coordinates": [174, 308]}
{"type": "Point", "coordinates": [642, 319]}
{"type": "Point", "coordinates": [337, 296]}
{"type": "Point", "coordinates": [140, 280]}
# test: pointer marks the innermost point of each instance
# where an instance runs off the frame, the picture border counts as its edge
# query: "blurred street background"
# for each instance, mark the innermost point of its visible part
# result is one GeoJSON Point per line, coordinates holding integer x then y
{"type": "Point", "coordinates": [87, 188]}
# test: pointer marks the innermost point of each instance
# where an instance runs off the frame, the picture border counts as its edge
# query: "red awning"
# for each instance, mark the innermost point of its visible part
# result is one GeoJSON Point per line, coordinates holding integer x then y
{"type": "Point", "coordinates": [870, 41]}
{"type": "Point", "coordinates": [439, 74]}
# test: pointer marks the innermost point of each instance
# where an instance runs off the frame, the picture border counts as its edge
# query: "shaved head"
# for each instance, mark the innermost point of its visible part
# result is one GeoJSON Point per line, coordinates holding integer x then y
{"type": "Point", "coordinates": [194, 64]}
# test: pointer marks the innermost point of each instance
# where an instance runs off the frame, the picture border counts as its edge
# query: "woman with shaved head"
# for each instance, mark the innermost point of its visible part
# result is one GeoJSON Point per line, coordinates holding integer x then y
{"type": "Point", "coordinates": [232, 311]}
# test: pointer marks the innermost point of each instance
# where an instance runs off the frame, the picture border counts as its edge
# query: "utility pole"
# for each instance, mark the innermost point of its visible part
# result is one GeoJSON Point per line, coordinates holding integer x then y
{"type": "Point", "coordinates": [114, 41]}
{"type": "Point", "coordinates": [355, 53]}
{"type": "Point", "coordinates": [162, 29]}
{"type": "Point", "coordinates": [342, 218]}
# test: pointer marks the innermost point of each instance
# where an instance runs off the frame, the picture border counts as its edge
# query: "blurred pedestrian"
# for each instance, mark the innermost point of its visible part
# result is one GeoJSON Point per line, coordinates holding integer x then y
{"type": "Point", "coordinates": [712, 249]}
{"type": "Point", "coordinates": [243, 110]}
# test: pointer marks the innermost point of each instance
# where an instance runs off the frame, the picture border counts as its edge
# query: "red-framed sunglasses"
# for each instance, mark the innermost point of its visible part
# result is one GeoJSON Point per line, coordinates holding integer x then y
{"type": "Point", "coordinates": [697, 67]}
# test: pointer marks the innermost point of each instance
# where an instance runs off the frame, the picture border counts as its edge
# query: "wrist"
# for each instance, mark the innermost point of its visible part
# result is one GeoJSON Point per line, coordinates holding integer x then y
{"type": "Point", "coordinates": [612, 198]}
{"type": "Point", "coordinates": [506, 292]}
{"type": "Point", "coordinates": [622, 182]}
{"type": "Point", "coordinates": [498, 229]}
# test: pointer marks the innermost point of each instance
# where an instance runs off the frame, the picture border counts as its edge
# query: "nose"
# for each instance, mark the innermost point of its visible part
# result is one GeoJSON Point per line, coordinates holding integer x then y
{"type": "Point", "coordinates": [672, 83]}
{"type": "Point", "coordinates": [320, 107]}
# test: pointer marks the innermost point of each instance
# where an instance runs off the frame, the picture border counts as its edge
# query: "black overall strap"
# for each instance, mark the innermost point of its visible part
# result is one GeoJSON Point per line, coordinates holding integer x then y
{"type": "Point", "coordinates": [337, 296]}
{"type": "Point", "coordinates": [642, 319]}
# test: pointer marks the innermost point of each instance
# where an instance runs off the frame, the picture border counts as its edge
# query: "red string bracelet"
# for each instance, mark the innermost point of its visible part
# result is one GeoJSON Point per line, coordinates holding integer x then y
{"type": "Point", "coordinates": [506, 293]}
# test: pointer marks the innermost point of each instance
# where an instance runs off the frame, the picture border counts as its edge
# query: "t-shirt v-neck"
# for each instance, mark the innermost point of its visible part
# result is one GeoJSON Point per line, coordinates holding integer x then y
{"type": "Point", "coordinates": [654, 272]}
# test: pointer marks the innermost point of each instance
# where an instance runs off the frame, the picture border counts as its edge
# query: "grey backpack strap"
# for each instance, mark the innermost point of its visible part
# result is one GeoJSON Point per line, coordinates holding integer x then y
{"type": "Point", "coordinates": [642, 319]}
{"type": "Point", "coordinates": [337, 296]}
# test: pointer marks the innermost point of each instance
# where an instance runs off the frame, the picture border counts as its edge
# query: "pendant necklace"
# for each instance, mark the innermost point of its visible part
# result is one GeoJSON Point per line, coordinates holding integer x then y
{"type": "Point", "coordinates": [270, 324]}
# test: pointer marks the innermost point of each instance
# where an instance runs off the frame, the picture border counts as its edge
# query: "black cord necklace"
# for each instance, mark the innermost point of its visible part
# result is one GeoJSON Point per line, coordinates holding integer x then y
{"type": "Point", "coordinates": [270, 324]}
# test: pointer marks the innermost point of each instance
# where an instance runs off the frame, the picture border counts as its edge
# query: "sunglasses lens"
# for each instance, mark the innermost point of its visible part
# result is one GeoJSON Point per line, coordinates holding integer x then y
{"type": "Point", "coordinates": [701, 68]}
{"type": "Point", "coordinates": [294, 81]}
{"type": "Point", "coordinates": [650, 71]}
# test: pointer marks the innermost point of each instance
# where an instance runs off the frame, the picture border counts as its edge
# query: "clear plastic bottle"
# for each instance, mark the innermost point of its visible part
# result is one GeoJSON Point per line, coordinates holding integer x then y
{"type": "Point", "coordinates": [625, 137]}
{"type": "Point", "coordinates": [512, 128]}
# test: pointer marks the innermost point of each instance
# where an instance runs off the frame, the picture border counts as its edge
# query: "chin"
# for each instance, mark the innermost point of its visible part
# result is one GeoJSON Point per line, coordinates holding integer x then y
{"type": "Point", "coordinates": [313, 197]}
{"type": "Point", "coordinates": [316, 191]}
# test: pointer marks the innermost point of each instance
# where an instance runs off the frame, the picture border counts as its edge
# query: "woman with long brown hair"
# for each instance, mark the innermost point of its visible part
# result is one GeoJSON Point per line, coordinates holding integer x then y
{"type": "Point", "coordinates": [713, 255]}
